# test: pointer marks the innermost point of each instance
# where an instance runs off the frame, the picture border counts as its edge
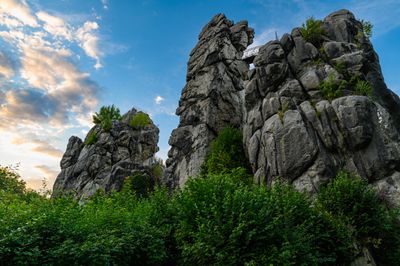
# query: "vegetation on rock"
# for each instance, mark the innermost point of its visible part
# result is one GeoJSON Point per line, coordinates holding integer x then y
{"type": "Point", "coordinates": [363, 87]}
{"type": "Point", "coordinates": [312, 31]}
{"type": "Point", "coordinates": [91, 138]}
{"type": "Point", "coordinates": [140, 120]}
{"type": "Point", "coordinates": [332, 88]}
{"type": "Point", "coordinates": [105, 117]}
{"type": "Point", "coordinates": [367, 28]}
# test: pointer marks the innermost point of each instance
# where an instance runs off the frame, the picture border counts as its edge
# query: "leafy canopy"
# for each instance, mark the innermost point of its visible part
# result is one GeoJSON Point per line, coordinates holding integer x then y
{"type": "Point", "coordinates": [217, 220]}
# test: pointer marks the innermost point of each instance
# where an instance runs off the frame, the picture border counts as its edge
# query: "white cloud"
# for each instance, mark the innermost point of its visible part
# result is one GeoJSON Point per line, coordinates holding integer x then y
{"type": "Point", "coordinates": [158, 99]}
{"type": "Point", "coordinates": [18, 10]}
{"type": "Point", "coordinates": [42, 91]}
{"type": "Point", "coordinates": [55, 25]}
{"type": "Point", "coordinates": [89, 41]}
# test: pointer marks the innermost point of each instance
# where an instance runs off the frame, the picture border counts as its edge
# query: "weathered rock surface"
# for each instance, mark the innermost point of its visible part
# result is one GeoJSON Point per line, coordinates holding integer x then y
{"type": "Point", "coordinates": [212, 98]}
{"type": "Point", "coordinates": [291, 129]}
{"type": "Point", "coordinates": [292, 132]}
{"type": "Point", "coordinates": [105, 164]}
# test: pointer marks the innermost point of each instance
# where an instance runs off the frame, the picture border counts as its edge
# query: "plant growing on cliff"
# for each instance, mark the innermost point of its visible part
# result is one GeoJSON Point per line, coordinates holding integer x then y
{"type": "Point", "coordinates": [282, 110]}
{"type": "Point", "coordinates": [367, 28]}
{"type": "Point", "coordinates": [332, 88]}
{"type": "Point", "coordinates": [105, 117]}
{"type": "Point", "coordinates": [91, 138]}
{"type": "Point", "coordinates": [312, 31]}
{"type": "Point", "coordinates": [140, 120]}
{"type": "Point", "coordinates": [363, 87]}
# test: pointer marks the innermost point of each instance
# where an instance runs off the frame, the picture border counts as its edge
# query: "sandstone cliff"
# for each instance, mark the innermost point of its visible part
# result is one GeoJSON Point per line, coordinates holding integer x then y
{"type": "Point", "coordinates": [312, 106]}
{"type": "Point", "coordinates": [105, 162]}
{"type": "Point", "coordinates": [212, 97]}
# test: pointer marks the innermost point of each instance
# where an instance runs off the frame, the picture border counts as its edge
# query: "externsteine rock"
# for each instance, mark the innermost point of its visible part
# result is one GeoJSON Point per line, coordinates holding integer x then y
{"type": "Point", "coordinates": [115, 155]}
{"type": "Point", "coordinates": [212, 97]}
{"type": "Point", "coordinates": [291, 128]}
{"type": "Point", "coordinates": [293, 132]}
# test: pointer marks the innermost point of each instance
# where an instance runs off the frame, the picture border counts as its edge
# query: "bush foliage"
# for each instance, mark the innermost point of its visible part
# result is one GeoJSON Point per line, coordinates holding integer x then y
{"type": "Point", "coordinates": [312, 31]}
{"type": "Point", "coordinates": [227, 152]}
{"type": "Point", "coordinates": [140, 120]}
{"type": "Point", "coordinates": [217, 220]}
{"type": "Point", "coordinates": [105, 117]}
{"type": "Point", "coordinates": [332, 88]}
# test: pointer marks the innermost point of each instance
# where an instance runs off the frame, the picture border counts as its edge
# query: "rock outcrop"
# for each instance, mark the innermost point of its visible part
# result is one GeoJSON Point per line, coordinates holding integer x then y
{"type": "Point", "coordinates": [212, 97]}
{"type": "Point", "coordinates": [312, 106]}
{"type": "Point", "coordinates": [108, 158]}
{"type": "Point", "coordinates": [297, 131]}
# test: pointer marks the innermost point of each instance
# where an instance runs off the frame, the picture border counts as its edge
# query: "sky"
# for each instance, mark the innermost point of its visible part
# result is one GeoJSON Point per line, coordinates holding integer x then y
{"type": "Point", "coordinates": [61, 60]}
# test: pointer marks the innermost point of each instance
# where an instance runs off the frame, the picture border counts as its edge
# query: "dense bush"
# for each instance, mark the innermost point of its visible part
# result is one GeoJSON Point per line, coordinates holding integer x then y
{"type": "Point", "coordinates": [105, 117]}
{"type": "Point", "coordinates": [223, 221]}
{"type": "Point", "coordinates": [375, 226]}
{"type": "Point", "coordinates": [140, 120]}
{"type": "Point", "coordinates": [10, 181]}
{"type": "Point", "coordinates": [217, 220]}
{"type": "Point", "coordinates": [227, 152]}
{"type": "Point", "coordinates": [312, 31]}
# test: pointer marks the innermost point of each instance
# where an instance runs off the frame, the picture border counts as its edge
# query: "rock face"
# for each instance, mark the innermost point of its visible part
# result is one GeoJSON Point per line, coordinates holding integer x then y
{"type": "Point", "coordinates": [104, 164]}
{"type": "Point", "coordinates": [212, 97]}
{"type": "Point", "coordinates": [291, 129]}
{"type": "Point", "coordinates": [307, 112]}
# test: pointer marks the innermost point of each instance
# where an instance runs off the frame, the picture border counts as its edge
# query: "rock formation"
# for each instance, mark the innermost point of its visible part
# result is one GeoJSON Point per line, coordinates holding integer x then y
{"type": "Point", "coordinates": [212, 97]}
{"type": "Point", "coordinates": [307, 109]}
{"type": "Point", "coordinates": [295, 131]}
{"type": "Point", "coordinates": [105, 163]}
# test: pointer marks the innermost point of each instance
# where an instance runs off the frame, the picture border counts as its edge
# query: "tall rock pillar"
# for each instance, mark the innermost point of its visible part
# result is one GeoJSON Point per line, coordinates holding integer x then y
{"type": "Point", "coordinates": [212, 97]}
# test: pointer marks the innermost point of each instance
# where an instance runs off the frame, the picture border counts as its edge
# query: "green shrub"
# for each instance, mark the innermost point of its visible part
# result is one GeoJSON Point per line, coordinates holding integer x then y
{"type": "Point", "coordinates": [157, 171]}
{"type": "Point", "coordinates": [367, 28]}
{"type": "Point", "coordinates": [223, 221]}
{"type": "Point", "coordinates": [140, 120]}
{"type": "Point", "coordinates": [105, 117]}
{"type": "Point", "coordinates": [139, 183]}
{"type": "Point", "coordinates": [331, 88]}
{"type": "Point", "coordinates": [363, 87]}
{"type": "Point", "coordinates": [217, 220]}
{"type": "Point", "coordinates": [312, 31]}
{"type": "Point", "coordinates": [10, 180]}
{"type": "Point", "coordinates": [227, 152]}
{"type": "Point", "coordinates": [349, 198]}
{"type": "Point", "coordinates": [91, 138]}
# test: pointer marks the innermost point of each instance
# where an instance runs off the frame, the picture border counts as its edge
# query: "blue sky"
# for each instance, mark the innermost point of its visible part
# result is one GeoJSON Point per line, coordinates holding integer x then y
{"type": "Point", "coordinates": [61, 60]}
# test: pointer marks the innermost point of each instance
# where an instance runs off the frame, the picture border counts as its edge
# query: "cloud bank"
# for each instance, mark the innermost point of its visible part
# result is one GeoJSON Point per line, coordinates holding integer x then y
{"type": "Point", "coordinates": [43, 91]}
